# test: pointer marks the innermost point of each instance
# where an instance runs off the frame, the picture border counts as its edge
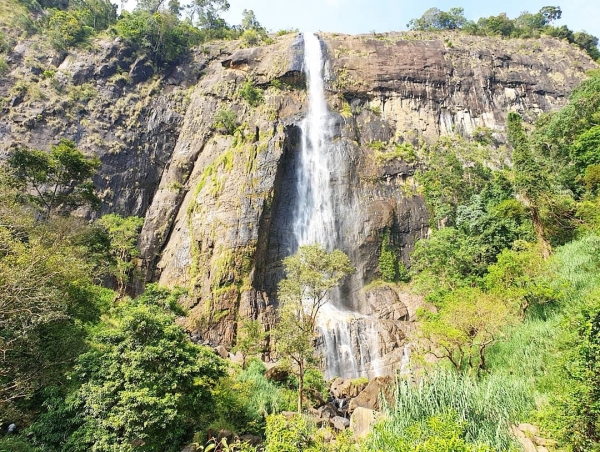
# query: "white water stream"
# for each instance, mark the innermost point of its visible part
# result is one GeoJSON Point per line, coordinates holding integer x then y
{"type": "Point", "coordinates": [350, 341]}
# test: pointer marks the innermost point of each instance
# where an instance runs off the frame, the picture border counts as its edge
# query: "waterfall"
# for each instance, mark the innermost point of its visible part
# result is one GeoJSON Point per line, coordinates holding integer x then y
{"type": "Point", "coordinates": [349, 339]}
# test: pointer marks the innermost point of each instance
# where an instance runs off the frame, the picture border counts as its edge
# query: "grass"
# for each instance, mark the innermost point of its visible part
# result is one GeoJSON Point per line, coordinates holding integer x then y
{"type": "Point", "coordinates": [485, 408]}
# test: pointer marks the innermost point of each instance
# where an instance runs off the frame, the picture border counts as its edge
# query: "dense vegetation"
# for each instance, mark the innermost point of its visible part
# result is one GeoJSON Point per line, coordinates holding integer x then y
{"type": "Point", "coordinates": [526, 25]}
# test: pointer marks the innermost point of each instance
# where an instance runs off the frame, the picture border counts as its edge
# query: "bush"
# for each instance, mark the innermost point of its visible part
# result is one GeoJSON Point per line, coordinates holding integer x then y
{"type": "Point", "coordinates": [161, 35]}
{"type": "Point", "coordinates": [226, 121]}
{"type": "Point", "coordinates": [251, 94]}
{"type": "Point", "coordinates": [68, 28]}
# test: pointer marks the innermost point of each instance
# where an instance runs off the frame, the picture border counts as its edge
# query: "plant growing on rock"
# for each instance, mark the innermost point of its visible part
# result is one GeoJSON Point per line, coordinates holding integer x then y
{"type": "Point", "coordinates": [251, 94]}
{"type": "Point", "coordinates": [226, 121]}
{"type": "Point", "coordinates": [311, 273]}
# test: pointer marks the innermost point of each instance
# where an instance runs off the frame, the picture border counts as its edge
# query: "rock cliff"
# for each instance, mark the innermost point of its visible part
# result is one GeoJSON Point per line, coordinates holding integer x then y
{"type": "Point", "coordinates": [216, 193]}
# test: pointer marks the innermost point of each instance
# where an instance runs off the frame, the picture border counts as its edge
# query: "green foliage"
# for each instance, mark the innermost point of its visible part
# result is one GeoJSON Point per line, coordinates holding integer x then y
{"type": "Point", "coordinates": [97, 14]}
{"type": "Point", "coordinates": [69, 28]}
{"type": "Point", "coordinates": [161, 36]}
{"type": "Point", "coordinates": [61, 179]}
{"type": "Point", "coordinates": [15, 444]}
{"type": "Point", "coordinates": [142, 382]}
{"type": "Point", "coordinates": [226, 121]}
{"type": "Point", "coordinates": [3, 66]}
{"type": "Point", "coordinates": [293, 435]}
{"type": "Point", "coordinates": [446, 260]}
{"type": "Point", "coordinates": [251, 94]}
{"type": "Point", "coordinates": [573, 409]}
{"type": "Point", "coordinates": [123, 236]}
{"type": "Point", "coordinates": [477, 414]}
{"type": "Point", "coordinates": [388, 260]}
{"type": "Point", "coordinates": [434, 19]}
{"type": "Point", "coordinates": [526, 25]}
{"type": "Point", "coordinates": [440, 433]}
{"type": "Point", "coordinates": [46, 302]}
{"type": "Point", "coordinates": [250, 339]}
{"type": "Point", "coordinates": [466, 323]}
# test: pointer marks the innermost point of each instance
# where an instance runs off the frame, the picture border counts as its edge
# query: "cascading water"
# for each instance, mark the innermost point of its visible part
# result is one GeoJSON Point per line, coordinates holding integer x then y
{"type": "Point", "coordinates": [346, 346]}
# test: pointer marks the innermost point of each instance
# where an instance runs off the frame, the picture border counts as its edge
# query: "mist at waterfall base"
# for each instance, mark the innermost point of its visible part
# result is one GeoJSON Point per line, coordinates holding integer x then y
{"type": "Point", "coordinates": [350, 342]}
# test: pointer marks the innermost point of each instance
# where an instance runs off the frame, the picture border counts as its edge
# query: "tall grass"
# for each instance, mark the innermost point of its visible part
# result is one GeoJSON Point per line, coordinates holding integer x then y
{"type": "Point", "coordinates": [264, 396]}
{"type": "Point", "coordinates": [577, 265]}
{"type": "Point", "coordinates": [487, 408]}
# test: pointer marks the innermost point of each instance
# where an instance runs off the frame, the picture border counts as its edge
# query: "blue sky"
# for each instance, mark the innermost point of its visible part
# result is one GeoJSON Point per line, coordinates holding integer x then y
{"type": "Point", "coordinates": [363, 16]}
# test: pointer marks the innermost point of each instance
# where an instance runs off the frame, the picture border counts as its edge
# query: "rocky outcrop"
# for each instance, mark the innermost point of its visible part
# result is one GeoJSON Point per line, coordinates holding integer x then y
{"type": "Point", "coordinates": [217, 200]}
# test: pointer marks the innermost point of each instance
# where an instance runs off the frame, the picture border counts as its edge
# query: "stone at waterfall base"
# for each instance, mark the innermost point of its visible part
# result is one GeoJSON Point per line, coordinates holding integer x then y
{"type": "Point", "coordinates": [369, 397]}
{"type": "Point", "coordinates": [362, 421]}
{"type": "Point", "coordinates": [339, 423]}
{"type": "Point", "coordinates": [342, 388]}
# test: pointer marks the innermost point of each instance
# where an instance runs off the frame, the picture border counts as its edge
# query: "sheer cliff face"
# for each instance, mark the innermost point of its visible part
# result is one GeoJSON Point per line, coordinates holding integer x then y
{"type": "Point", "coordinates": [217, 202]}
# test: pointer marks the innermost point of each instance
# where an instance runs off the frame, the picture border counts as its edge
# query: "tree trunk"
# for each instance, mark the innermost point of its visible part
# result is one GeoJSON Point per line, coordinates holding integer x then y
{"type": "Point", "coordinates": [300, 388]}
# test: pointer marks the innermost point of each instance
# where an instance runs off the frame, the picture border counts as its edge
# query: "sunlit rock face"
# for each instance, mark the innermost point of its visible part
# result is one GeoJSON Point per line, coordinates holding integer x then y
{"type": "Point", "coordinates": [219, 203]}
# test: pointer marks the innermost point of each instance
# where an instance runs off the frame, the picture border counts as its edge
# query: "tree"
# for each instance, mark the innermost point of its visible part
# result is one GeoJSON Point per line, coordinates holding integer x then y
{"type": "Point", "coordinates": [435, 19]}
{"type": "Point", "coordinates": [98, 14]}
{"type": "Point", "coordinates": [143, 384]}
{"type": "Point", "coordinates": [69, 28]}
{"type": "Point", "coordinates": [467, 322]}
{"type": "Point", "coordinates": [530, 179]}
{"type": "Point", "coordinates": [162, 36]}
{"type": "Point", "coordinates": [517, 277]}
{"type": "Point", "coordinates": [46, 301]}
{"type": "Point", "coordinates": [123, 234]}
{"type": "Point", "coordinates": [207, 13]}
{"type": "Point", "coordinates": [249, 340]}
{"type": "Point", "coordinates": [311, 274]}
{"type": "Point", "coordinates": [61, 179]}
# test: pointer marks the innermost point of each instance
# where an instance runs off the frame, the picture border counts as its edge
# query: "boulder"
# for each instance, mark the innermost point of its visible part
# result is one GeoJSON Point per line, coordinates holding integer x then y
{"type": "Point", "coordinates": [369, 397]}
{"type": "Point", "coordinates": [222, 352]}
{"type": "Point", "coordinates": [339, 423]}
{"type": "Point", "coordinates": [326, 411]}
{"type": "Point", "coordinates": [342, 388]}
{"type": "Point", "coordinates": [362, 420]}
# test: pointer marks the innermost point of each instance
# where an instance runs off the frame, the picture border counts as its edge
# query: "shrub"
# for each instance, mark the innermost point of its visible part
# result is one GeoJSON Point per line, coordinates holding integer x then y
{"type": "Point", "coordinates": [251, 94]}
{"type": "Point", "coordinates": [226, 121]}
{"type": "Point", "coordinates": [160, 35]}
{"type": "Point", "coordinates": [68, 28]}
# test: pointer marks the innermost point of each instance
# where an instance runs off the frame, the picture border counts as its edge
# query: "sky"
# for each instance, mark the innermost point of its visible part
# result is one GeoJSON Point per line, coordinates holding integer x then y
{"type": "Point", "coordinates": [364, 16]}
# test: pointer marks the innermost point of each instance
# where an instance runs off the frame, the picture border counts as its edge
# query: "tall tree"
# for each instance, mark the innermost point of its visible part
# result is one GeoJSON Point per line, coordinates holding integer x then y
{"type": "Point", "coordinates": [530, 179]}
{"type": "Point", "coordinates": [311, 274]}
{"type": "Point", "coordinates": [61, 180]}
{"type": "Point", "coordinates": [123, 235]}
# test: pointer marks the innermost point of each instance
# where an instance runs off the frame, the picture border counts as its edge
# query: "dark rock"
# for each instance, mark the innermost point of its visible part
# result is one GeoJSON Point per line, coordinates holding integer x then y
{"type": "Point", "coordinates": [252, 440]}
{"type": "Point", "coordinates": [277, 373]}
{"type": "Point", "coordinates": [326, 411]}
{"type": "Point", "coordinates": [141, 70]}
{"type": "Point", "coordinates": [107, 69]}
